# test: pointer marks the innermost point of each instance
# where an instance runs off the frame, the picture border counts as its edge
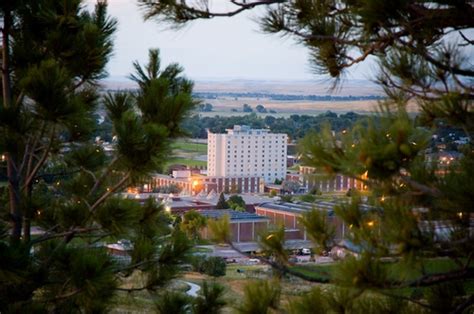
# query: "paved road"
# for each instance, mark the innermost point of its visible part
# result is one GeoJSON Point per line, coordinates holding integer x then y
{"type": "Point", "coordinates": [194, 289]}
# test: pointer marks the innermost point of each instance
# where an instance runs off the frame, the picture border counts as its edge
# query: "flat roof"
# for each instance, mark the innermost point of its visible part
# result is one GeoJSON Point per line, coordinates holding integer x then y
{"type": "Point", "coordinates": [234, 215]}
{"type": "Point", "coordinates": [303, 207]}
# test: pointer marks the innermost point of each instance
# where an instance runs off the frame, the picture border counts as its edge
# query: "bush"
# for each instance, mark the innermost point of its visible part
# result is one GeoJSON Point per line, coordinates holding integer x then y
{"type": "Point", "coordinates": [309, 198]}
{"type": "Point", "coordinates": [214, 266]}
{"type": "Point", "coordinates": [196, 263]}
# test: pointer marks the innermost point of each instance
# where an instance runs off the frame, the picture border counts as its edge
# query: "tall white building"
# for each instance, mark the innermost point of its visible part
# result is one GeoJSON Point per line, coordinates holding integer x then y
{"type": "Point", "coordinates": [243, 151]}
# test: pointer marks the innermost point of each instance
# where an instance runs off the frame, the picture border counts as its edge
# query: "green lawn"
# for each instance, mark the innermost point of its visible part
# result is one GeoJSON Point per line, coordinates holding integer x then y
{"type": "Point", "coordinates": [187, 162]}
{"type": "Point", "coordinates": [395, 271]}
{"type": "Point", "coordinates": [188, 146]}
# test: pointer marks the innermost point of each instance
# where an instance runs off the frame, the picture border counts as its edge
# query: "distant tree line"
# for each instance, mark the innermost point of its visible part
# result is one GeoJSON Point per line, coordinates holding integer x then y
{"type": "Point", "coordinates": [284, 97]}
{"type": "Point", "coordinates": [296, 126]}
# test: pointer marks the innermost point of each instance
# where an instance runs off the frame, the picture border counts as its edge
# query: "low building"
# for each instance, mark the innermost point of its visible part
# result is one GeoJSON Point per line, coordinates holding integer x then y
{"type": "Point", "coordinates": [177, 204]}
{"type": "Point", "coordinates": [195, 184]}
{"type": "Point", "coordinates": [244, 226]}
{"type": "Point", "coordinates": [287, 214]}
{"type": "Point", "coordinates": [310, 178]}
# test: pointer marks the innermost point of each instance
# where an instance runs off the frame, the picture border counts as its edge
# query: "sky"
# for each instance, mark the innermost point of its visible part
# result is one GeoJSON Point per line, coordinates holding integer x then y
{"type": "Point", "coordinates": [221, 48]}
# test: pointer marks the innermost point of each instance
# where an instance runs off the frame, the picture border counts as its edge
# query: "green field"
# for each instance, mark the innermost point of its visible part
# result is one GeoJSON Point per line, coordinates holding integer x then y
{"type": "Point", "coordinates": [189, 146]}
{"type": "Point", "coordinates": [184, 161]}
{"type": "Point", "coordinates": [187, 152]}
{"type": "Point", "coordinates": [395, 272]}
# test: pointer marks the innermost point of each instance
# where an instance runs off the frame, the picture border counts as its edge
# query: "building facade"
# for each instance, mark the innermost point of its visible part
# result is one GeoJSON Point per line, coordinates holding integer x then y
{"type": "Point", "coordinates": [246, 152]}
{"type": "Point", "coordinates": [310, 178]}
{"type": "Point", "coordinates": [194, 185]}
{"type": "Point", "coordinates": [244, 227]}
{"type": "Point", "coordinates": [287, 215]}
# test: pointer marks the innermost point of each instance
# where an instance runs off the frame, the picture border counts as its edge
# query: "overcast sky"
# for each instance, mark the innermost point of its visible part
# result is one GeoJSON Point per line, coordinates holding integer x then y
{"type": "Point", "coordinates": [223, 48]}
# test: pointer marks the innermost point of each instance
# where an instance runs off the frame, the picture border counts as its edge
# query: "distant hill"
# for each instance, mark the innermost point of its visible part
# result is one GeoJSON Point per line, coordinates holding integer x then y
{"type": "Point", "coordinates": [313, 87]}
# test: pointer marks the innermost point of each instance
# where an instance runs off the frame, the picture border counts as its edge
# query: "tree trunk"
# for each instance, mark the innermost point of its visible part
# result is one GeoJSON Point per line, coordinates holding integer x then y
{"type": "Point", "coordinates": [28, 212]}
{"type": "Point", "coordinates": [12, 171]}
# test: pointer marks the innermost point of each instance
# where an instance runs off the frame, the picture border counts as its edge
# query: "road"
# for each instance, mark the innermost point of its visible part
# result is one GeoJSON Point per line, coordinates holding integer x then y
{"type": "Point", "coordinates": [194, 289]}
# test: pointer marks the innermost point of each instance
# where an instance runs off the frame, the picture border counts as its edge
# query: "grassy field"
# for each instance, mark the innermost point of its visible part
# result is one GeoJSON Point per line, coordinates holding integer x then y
{"type": "Point", "coordinates": [185, 145]}
{"type": "Point", "coordinates": [238, 276]}
{"type": "Point", "coordinates": [395, 272]}
{"type": "Point", "coordinates": [223, 106]}
{"type": "Point", "coordinates": [187, 152]}
{"type": "Point", "coordinates": [185, 161]}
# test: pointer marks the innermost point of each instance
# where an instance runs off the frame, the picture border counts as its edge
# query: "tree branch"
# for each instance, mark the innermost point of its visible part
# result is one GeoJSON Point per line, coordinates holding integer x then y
{"type": "Point", "coordinates": [109, 192]}
{"type": "Point", "coordinates": [40, 163]}
{"type": "Point", "coordinates": [47, 237]}
{"type": "Point", "coordinates": [102, 177]}
{"type": "Point", "coordinates": [194, 13]}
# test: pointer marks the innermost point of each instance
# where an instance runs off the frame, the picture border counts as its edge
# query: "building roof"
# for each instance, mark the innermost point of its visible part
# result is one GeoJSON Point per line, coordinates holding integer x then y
{"type": "Point", "coordinates": [234, 215]}
{"type": "Point", "coordinates": [303, 207]}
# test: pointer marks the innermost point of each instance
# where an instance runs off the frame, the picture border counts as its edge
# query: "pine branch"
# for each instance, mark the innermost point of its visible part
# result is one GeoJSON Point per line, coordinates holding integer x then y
{"type": "Point", "coordinates": [103, 177]}
{"type": "Point", "coordinates": [465, 305]}
{"type": "Point", "coordinates": [195, 13]}
{"type": "Point", "coordinates": [109, 192]}
{"type": "Point", "coordinates": [435, 279]}
{"type": "Point", "coordinates": [67, 234]}
{"type": "Point", "coordinates": [404, 298]}
{"type": "Point", "coordinates": [25, 155]}
{"type": "Point", "coordinates": [33, 148]}
{"type": "Point", "coordinates": [421, 187]}
{"type": "Point", "coordinates": [42, 160]}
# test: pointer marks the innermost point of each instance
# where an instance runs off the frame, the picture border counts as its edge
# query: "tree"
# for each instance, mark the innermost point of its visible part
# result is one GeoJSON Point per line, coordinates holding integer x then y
{"type": "Point", "coordinates": [260, 109]}
{"type": "Point", "coordinates": [236, 202]}
{"type": "Point", "coordinates": [260, 297]}
{"type": "Point", "coordinates": [207, 107]}
{"type": "Point", "coordinates": [60, 180]}
{"type": "Point", "coordinates": [192, 224]}
{"type": "Point", "coordinates": [211, 300]}
{"type": "Point", "coordinates": [291, 186]}
{"type": "Point", "coordinates": [221, 202]}
{"type": "Point", "coordinates": [422, 50]}
{"type": "Point", "coordinates": [247, 108]}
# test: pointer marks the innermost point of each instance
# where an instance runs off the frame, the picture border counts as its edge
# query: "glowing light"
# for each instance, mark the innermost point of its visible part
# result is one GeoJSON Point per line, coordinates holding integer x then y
{"type": "Point", "coordinates": [382, 199]}
{"type": "Point", "coordinates": [270, 236]}
{"type": "Point", "coordinates": [344, 131]}
{"type": "Point", "coordinates": [370, 223]}
{"type": "Point", "coordinates": [195, 183]}
{"type": "Point", "coordinates": [460, 214]}
{"type": "Point", "coordinates": [57, 183]}
{"type": "Point", "coordinates": [168, 209]}
{"type": "Point", "coordinates": [3, 157]}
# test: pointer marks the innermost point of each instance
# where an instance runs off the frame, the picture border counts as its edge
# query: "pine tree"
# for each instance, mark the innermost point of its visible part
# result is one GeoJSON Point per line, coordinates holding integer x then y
{"type": "Point", "coordinates": [60, 180]}
{"type": "Point", "coordinates": [221, 202]}
{"type": "Point", "coordinates": [424, 53]}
